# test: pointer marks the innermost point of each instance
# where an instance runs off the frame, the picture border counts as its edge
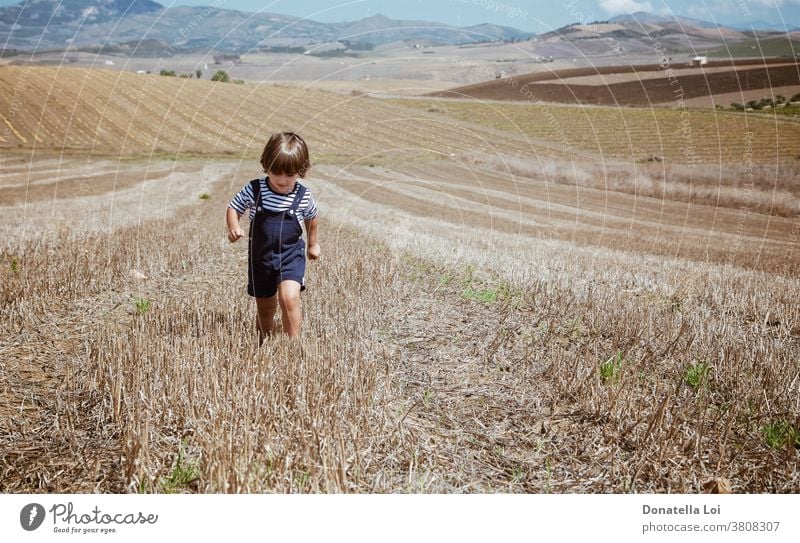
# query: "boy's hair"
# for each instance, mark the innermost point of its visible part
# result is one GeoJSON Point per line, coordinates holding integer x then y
{"type": "Point", "coordinates": [286, 153]}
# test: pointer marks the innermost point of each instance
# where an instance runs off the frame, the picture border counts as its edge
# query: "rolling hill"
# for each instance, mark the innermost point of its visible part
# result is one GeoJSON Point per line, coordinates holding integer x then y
{"type": "Point", "coordinates": [80, 23]}
{"type": "Point", "coordinates": [122, 113]}
{"type": "Point", "coordinates": [642, 33]}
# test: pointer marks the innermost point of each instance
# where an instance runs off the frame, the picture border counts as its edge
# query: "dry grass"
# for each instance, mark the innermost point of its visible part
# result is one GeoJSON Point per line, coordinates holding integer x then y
{"type": "Point", "coordinates": [632, 134]}
{"type": "Point", "coordinates": [120, 114]}
{"type": "Point", "coordinates": [438, 356]}
{"type": "Point", "coordinates": [533, 406]}
{"type": "Point", "coordinates": [771, 190]}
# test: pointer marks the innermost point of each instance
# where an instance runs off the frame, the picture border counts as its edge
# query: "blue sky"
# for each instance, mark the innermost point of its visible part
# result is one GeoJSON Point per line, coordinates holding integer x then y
{"type": "Point", "coordinates": [533, 15]}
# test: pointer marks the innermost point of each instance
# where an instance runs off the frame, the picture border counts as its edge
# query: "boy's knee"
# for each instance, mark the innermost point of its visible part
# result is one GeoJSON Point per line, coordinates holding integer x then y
{"type": "Point", "coordinates": [289, 300]}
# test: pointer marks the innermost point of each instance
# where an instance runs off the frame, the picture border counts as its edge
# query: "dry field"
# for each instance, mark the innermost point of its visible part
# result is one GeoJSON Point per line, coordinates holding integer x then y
{"type": "Point", "coordinates": [642, 85]}
{"type": "Point", "coordinates": [481, 320]}
{"type": "Point", "coordinates": [120, 114]}
{"type": "Point", "coordinates": [708, 139]}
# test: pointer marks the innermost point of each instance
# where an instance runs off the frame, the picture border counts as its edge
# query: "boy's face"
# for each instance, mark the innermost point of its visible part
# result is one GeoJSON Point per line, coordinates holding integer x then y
{"type": "Point", "coordinates": [282, 183]}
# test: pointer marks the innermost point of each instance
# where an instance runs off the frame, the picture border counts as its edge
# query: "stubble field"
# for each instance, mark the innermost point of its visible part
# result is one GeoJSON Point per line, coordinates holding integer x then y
{"type": "Point", "coordinates": [527, 317]}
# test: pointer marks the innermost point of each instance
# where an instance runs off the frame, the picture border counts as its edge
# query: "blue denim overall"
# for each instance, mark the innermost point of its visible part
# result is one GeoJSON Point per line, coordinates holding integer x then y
{"type": "Point", "coordinates": [276, 250]}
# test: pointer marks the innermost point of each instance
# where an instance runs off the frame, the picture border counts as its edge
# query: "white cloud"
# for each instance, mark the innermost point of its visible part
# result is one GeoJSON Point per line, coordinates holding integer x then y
{"type": "Point", "coordinates": [625, 6]}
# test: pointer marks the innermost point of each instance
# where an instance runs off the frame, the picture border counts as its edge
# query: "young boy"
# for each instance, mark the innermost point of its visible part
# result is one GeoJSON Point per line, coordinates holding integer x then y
{"type": "Point", "coordinates": [276, 252]}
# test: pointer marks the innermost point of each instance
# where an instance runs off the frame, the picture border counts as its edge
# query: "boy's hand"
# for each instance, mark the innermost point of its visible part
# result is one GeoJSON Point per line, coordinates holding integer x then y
{"type": "Point", "coordinates": [313, 251]}
{"type": "Point", "coordinates": [235, 234]}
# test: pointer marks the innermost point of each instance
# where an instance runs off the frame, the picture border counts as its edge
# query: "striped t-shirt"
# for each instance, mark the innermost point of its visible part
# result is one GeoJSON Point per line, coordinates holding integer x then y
{"type": "Point", "coordinates": [272, 201]}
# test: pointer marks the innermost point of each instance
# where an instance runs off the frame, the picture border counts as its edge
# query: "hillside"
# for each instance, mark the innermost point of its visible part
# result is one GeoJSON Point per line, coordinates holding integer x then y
{"type": "Point", "coordinates": [125, 114]}
{"type": "Point", "coordinates": [121, 113]}
{"type": "Point", "coordinates": [640, 85]}
{"type": "Point", "coordinates": [51, 24]}
{"type": "Point", "coordinates": [638, 33]}
{"type": "Point", "coordinates": [777, 46]}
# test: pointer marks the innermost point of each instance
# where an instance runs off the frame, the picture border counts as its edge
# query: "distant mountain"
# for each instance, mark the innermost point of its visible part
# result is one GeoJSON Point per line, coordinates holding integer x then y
{"type": "Point", "coordinates": [644, 33]}
{"type": "Point", "coordinates": [41, 13]}
{"type": "Point", "coordinates": [54, 24]}
{"type": "Point", "coordinates": [650, 18]}
{"type": "Point", "coordinates": [380, 29]}
{"type": "Point", "coordinates": [503, 33]}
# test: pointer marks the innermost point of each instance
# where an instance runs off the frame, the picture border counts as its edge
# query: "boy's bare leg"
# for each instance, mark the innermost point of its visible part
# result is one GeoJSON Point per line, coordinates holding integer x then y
{"type": "Point", "coordinates": [291, 314]}
{"type": "Point", "coordinates": [265, 316]}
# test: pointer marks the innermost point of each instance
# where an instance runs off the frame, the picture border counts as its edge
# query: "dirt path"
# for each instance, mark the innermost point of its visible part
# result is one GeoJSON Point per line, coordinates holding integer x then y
{"type": "Point", "coordinates": [472, 393]}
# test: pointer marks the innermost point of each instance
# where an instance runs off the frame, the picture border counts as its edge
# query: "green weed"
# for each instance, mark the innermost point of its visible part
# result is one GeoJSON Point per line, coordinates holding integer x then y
{"type": "Point", "coordinates": [487, 295]}
{"type": "Point", "coordinates": [446, 279]}
{"type": "Point", "coordinates": [697, 374]}
{"type": "Point", "coordinates": [142, 305]}
{"type": "Point", "coordinates": [182, 474]}
{"type": "Point", "coordinates": [780, 433]}
{"type": "Point", "coordinates": [205, 196]}
{"type": "Point", "coordinates": [301, 478]}
{"type": "Point", "coordinates": [469, 275]}
{"type": "Point", "coordinates": [611, 368]}
{"type": "Point", "coordinates": [14, 263]}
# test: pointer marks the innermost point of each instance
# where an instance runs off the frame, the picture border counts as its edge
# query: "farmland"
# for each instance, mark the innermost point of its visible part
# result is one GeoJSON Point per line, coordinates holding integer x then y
{"type": "Point", "coordinates": [666, 83]}
{"type": "Point", "coordinates": [634, 134]}
{"type": "Point", "coordinates": [122, 114]}
{"type": "Point", "coordinates": [509, 299]}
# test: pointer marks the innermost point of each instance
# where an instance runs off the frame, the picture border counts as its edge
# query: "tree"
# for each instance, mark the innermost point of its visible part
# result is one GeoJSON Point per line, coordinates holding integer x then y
{"type": "Point", "coordinates": [198, 73]}
{"type": "Point", "coordinates": [221, 76]}
{"type": "Point", "coordinates": [170, 73]}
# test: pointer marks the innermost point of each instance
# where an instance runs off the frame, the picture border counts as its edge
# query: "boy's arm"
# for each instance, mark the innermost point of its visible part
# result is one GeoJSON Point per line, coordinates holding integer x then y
{"type": "Point", "coordinates": [311, 230]}
{"type": "Point", "coordinates": [235, 232]}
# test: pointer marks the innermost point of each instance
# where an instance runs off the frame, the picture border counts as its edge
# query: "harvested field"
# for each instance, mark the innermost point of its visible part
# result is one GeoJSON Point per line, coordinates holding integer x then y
{"type": "Point", "coordinates": [122, 114]}
{"type": "Point", "coordinates": [509, 298]}
{"type": "Point", "coordinates": [634, 134]}
{"type": "Point", "coordinates": [457, 330]}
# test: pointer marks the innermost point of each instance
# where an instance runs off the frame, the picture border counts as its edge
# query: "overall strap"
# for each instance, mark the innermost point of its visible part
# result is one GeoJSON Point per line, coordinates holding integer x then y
{"type": "Point", "coordinates": [255, 185]}
{"type": "Point", "coordinates": [298, 198]}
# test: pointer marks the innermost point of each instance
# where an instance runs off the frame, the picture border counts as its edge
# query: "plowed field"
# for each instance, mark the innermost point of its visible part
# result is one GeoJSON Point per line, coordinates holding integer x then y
{"type": "Point", "coordinates": [633, 85]}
